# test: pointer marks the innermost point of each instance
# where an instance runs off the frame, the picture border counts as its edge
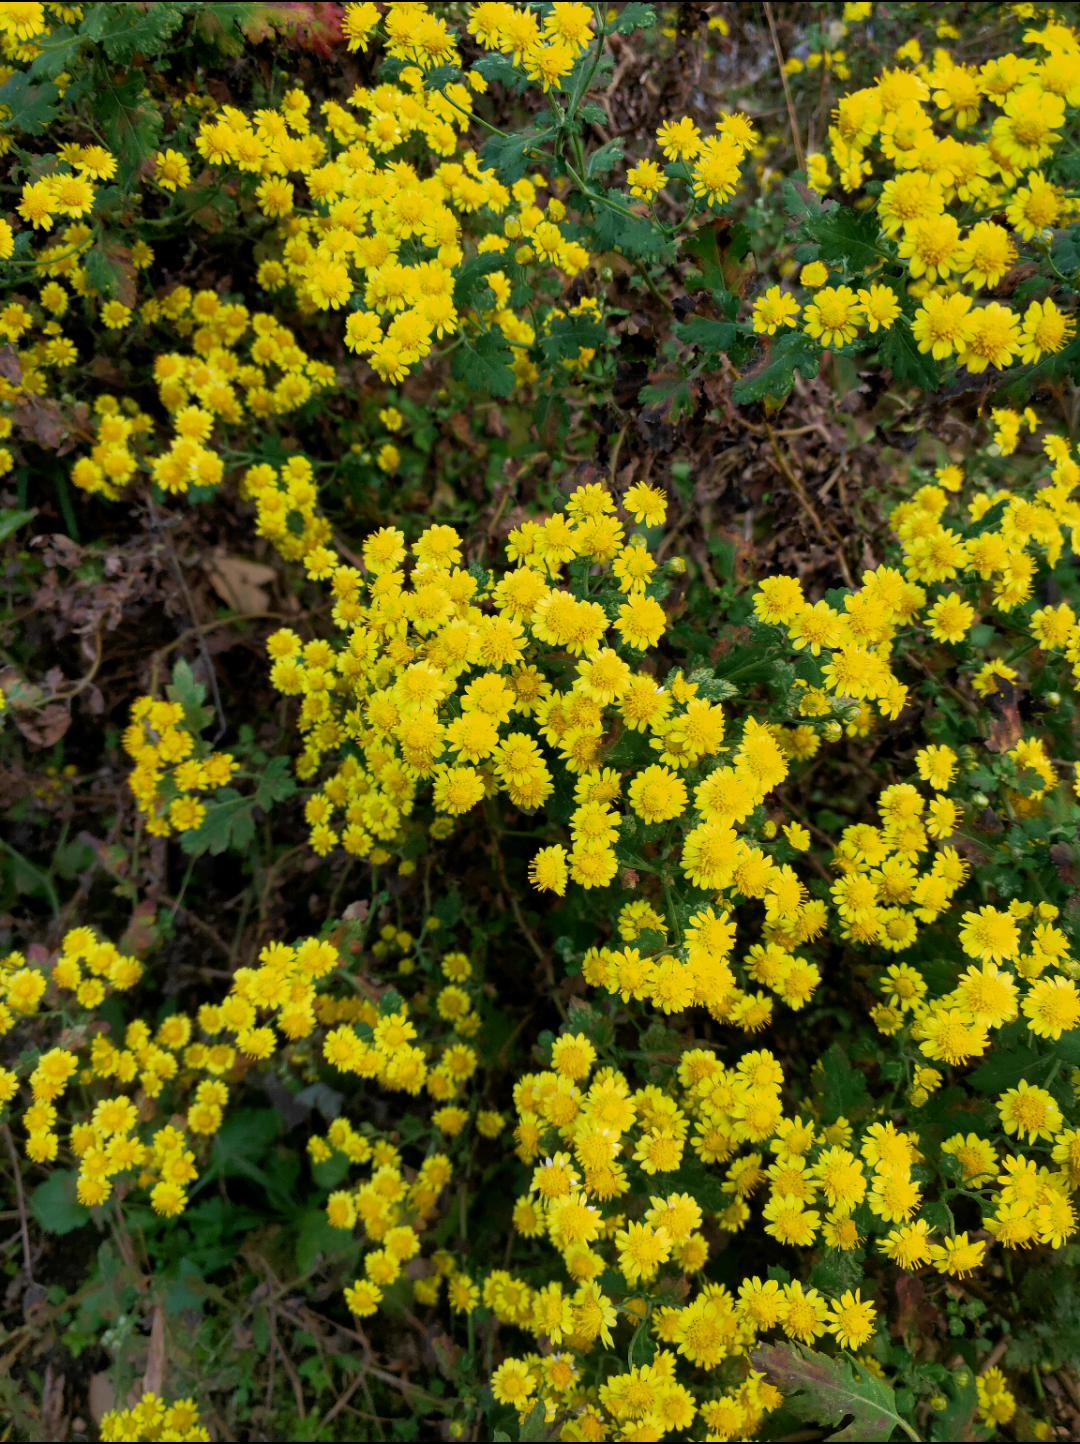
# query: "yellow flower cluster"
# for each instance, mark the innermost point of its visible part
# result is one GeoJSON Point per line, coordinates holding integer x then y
{"type": "Point", "coordinates": [544, 47]}
{"type": "Point", "coordinates": [69, 189]}
{"type": "Point", "coordinates": [997, 1404]}
{"type": "Point", "coordinates": [153, 1419]}
{"type": "Point", "coordinates": [242, 365]}
{"type": "Point", "coordinates": [702, 970]}
{"type": "Point", "coordinates": [436, 680]}
{"type": "Point", "coordinates": [946, 150]}
{"type": "Point", "coordinates": [357, 225]}
{"type": "Point", "coordinates": [107, 1144]}
{"type": "Point", "coordinates": [42, 353]}
{"type": "Point", "coordinates": [286, 512]}
{"type": "Point", "coordinates": [394, 1212]}
{"type": "Point", "coordinates": [600, 1150]}
{"type": "Point", "coordinates": [950, 575]}
{"type": "Point", "coordinates": [710, 166]}
{"type": "Point", "coordinates": [173, 767]}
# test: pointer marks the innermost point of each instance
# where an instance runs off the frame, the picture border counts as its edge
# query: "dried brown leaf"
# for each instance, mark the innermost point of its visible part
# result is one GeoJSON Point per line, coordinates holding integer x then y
{"type": "Point", "coordinates": [241, 584]}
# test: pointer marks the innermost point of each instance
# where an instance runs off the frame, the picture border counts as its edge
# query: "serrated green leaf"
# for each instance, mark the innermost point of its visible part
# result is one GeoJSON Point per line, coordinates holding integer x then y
{"type": "Point", "coordinates": [242, 1143]}
{"type": "Point", "coordinates": [30, 107]}
{"type": "Point", "coordinates": [606, 158]}
{"type": "Point", "coordinates": [483, 364]}
{"type": "Point", "coordinates": [704, 246]}
{"type": "Point", "coordinates": [775, 375]}
{"type": "Point", "coordinates": [315, 1237]}
{"type": "Point", "coordinates": [191, 695]}
{"type": "Point", "coordinates": [838, 1271]}
{"type": "Point", "coordinates": [840, 1392]}
{"type": "Point", "coordinates": [1065, 251]}
{"type": "Point", "coordinates": [1005, 1068]}
{"type": "Point", "coordinates": [845, 236]}
{"type": "Point", "coordinates": [56, 52]}
{"type": "Point", "coordinates": [571, 335]}
{"type": "Point", "coordinates": [229, 826]}
{"type": "Point", "coordinates": [715, 337]}
{"type": "Point", "coordinates": [441, 77]}
{"type": "Point", "coordinates": [533, 1428]}
{"type": "Point", "coordinates": [131, 122]}
{"type": "Point", "coordinates": [907, 363]}
{"type": "Point", "coordinates": [509, 155]}
{"type": "Point", "coordinates": [613, 230]}
{"type": "Point", "coordinates": [127, 30]}
{"type": "Point", "coordinates": [673, 396]}
{"type": "Point", "coordinates": [471, 283]}
{"type": "Point", "coordinates": [276, 783]}
{"type": "Point", "coordinates": [102, 272]}
{"type": "Point", "coordinates": [799, 201]}
{"type": "Point", "coordinates": [843, 1087]}
{"type": "Point", "coordinates": [635, 17]}
{"type": "Point", "coordinates": [502, 70]}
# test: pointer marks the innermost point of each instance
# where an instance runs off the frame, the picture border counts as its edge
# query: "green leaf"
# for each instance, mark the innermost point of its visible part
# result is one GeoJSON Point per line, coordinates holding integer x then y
{"type": "Point", "coordinates": [904, 359]}
{"type": "Point", "coordinates": [130, 119]}
{"type": "Point", "coordinates": [635, 236]}
{"type": "Point", "coordinates": [499, 68]}
{"type": "Point", "coordinates": [484, 364]}
{"type": "Point", "coordinates": [1065, 252]}
{"type": "Point", "coordinates": [840, 1392]}
{"type": "Point", "coordinates": [470, 284]}
{"type": "Point", "coordinates": [715, 337]}
{"type": "Point", "coordinates": [846, 236]}
{"type": "Point", "coordinates": [55, 1205]}
{"type": "Point", "coordinates": [56, 52]}
{"type": "Point", "coordinates": [843, 1088]}
{"type": "Point", "coordinates": [229, 826]}
{"type": "Point", "coordinates": [276, 784]}
{"type": "Point", "coordinates": [243, 1142]}
{"type": "Point", "coordinates": [11, 521]}
{"type": "Point", "coordinates": [671, 395]}
{"type": "Point", "coordinates": [1005, 1068]}
{"type": "Point", "coordinates": [775, 375]}
{"type": "Point", "coordinates": [837, 1271]}
{"type": "Point", "coordinates": [956, 1419]}
{"type": "Point", "coordinates": [634, 17]}
{"type": "Point", "coordinates": [315, 1237]}
{"type": "Point", "coordinates": [533, 1427]}
{"type": "Point", "coordinates": [191, 694]}
{"type": "Point", "coordinates": [593, 114]}
{"type": "Point", "coordinates": [441, 77]}
{"type": "Point", "coordinates": [570, 336]}
{"type": "Point", "coordinates": [32, 107]}
{"type": "Point", "coordinates": [606, 158]}
{"type": "Point", "coordinates": [799, 201]}
{"type": "Point", "coordinates": [102, 272]}
{"type": "Point", "coordinates": [509, 155]}
{"type": "Point", "coordinates": [704, 246]}
{"type": "Point", "coordinates": [127, 30]}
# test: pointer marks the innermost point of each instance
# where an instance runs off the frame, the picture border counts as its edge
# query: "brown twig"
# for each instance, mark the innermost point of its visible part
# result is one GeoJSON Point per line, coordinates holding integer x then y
{"type": "Point", "coordinates": [198, 627]}
{"type": "Point", "coordinates": [796, 139]}
{"type": "Point", "coordinates": [200, 926]}
{"type": "Point", "coordinates": [20, 1200]}
{"type": "Point", "coordinates": [332, 1414]}
{"type": "Point", "coordinates": [66, 694]}
{"type": "Point", "coordinates": [828, 536]}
